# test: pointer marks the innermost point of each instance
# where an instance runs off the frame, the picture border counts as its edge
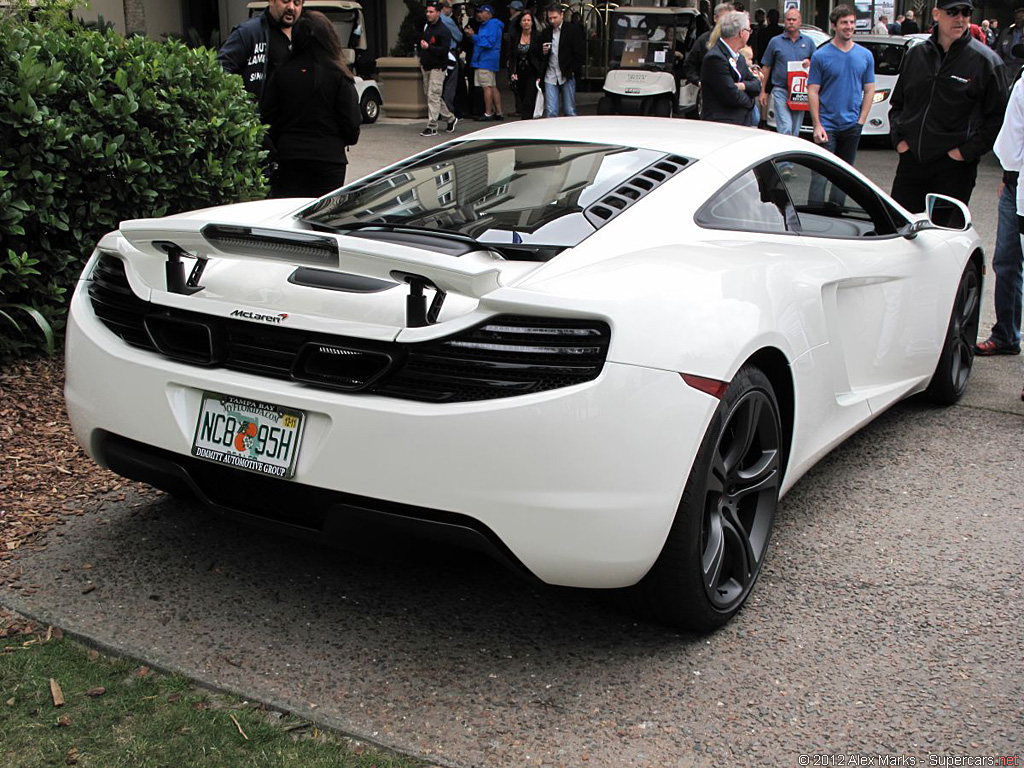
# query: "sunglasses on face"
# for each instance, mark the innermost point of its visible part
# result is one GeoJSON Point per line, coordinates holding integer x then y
{"type": "Point", "coordinates": [962, 10]}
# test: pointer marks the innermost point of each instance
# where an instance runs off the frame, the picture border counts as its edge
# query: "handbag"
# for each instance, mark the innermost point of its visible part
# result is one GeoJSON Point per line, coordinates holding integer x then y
{"type": "Point", "coordinates": [538, 107]}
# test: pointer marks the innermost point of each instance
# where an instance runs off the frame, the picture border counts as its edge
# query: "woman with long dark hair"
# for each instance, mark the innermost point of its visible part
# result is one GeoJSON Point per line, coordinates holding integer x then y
{"type": "Point", "coordinates": [310, 103]}
{"type": "Point", "coordinates": [525, 65]}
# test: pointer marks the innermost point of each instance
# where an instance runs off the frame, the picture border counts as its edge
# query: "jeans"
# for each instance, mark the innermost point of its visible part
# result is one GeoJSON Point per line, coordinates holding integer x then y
{"type": "Point", "coordinates": [1008, 264]}
{"type": "Point", "coordinates": [564, 93]}
{"type": "Point", "coordinates": [787, 121]}
{"type": "Point", "coordinates": [842, 143]}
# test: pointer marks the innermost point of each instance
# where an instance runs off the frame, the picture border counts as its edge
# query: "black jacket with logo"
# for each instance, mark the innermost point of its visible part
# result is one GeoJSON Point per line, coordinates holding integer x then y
{"type": "Point", "coordinates": [247, 53]}
{"type": "Point", "coordinates": [948, 100]}
{"type": "Point", "coordinates": [439, 40]}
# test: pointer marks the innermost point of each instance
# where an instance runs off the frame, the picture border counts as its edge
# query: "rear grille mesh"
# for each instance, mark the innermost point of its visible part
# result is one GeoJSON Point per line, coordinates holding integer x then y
{"type": "Point", "coordinates": [505, 356]}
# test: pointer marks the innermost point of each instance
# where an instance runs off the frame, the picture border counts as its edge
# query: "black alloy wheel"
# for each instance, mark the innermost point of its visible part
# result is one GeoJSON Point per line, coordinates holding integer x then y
{"type": "Point", "coordinates": [949, 382]}
{"type": "Point", "coordinates": [718, 541]}
{"type": "Point", "coordinates": [741, 490]}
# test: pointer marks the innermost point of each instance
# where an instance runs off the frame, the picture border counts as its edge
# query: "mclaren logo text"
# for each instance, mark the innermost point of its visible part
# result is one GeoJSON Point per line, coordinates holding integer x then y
{"type": "Point", "coordinates": [247, 315]}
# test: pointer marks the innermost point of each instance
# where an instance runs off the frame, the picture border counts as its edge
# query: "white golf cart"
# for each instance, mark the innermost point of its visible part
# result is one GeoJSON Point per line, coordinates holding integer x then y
{"type": "Point", "coordinates": [347, 17]}
{"type": "Point", "coordinates": [643, 60]}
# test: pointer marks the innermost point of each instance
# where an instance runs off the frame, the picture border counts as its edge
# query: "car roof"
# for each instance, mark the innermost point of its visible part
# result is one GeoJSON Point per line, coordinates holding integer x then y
{"type": "Point", "coordinates": [890, 39]}
{"type": "Point", "coordinates": [692, 138]}
{"type": "Point", "coordinates": [666, 10]}
{"type": "Point", "coordinates": [312, 5]}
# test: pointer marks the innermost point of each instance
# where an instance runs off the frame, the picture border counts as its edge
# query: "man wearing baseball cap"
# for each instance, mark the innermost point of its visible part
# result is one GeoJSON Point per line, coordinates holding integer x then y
{"type": "Point", "coordinates": [487, 60]}
{"type": "Point", "coordinates": [945, 110]}
{"type": "Point", "coordinates": [1011, 37]}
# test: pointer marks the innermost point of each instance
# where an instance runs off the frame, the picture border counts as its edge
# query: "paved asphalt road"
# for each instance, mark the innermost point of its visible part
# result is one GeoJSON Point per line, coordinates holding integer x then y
{"type": "Point", "coordinates": [888, 620]}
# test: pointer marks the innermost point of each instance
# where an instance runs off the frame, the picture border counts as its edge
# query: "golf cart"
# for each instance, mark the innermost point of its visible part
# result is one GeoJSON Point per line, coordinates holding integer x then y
{"type": "Point", "coordinates": [347, 17]}
{"type": "Point", "coordinates": [643, 60]}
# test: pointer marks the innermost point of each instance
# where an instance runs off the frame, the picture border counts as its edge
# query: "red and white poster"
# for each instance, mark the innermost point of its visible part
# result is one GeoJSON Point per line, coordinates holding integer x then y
{"type": "Point", "coordinates": [798, 86]}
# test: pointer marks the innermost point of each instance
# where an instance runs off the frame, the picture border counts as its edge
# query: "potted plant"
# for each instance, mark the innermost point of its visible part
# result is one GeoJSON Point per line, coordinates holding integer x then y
{"type": "Point", "coordinates": [399, 73]}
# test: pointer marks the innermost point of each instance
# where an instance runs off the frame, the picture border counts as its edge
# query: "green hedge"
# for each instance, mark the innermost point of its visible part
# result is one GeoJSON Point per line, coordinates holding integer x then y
{"type": "Point", "coordinates": [95, 129]}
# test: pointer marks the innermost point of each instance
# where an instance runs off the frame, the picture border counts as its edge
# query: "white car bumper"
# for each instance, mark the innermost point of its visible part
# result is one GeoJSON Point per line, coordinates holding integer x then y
{"type": "Point", "coordinates": [580, 483]}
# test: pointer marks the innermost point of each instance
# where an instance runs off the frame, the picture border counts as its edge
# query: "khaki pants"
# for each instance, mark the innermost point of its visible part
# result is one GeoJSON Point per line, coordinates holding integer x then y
{"type": "Point", "coordinates": [433, 85]}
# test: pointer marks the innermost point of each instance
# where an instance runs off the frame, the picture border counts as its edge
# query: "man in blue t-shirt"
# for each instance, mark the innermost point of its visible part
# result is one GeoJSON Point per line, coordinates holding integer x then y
{"type": "Point", "coordinates": [841, 85]}
{"type": "Point", "coordinates": [791, 45]}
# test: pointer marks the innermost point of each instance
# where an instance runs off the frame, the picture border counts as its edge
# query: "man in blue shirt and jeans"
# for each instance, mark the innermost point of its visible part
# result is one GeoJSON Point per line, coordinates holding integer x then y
{"type": "Point", "coordinates": [791, 45]}
{"type": "Point", "coordinates": [840, 87]}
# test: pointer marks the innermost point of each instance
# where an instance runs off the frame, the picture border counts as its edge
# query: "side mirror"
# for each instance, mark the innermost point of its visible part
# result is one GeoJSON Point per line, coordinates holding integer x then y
{"type": "Point", "coordinates": [947, 212]}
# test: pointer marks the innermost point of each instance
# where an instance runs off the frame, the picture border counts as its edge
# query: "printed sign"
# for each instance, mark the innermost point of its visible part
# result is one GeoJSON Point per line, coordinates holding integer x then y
{"type": "Point", "coordinates": [797, 75]}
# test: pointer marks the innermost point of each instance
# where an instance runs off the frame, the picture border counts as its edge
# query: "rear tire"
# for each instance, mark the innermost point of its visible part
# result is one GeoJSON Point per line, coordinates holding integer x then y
{"type": "Point", "coordinates": [719, 538]}
{"type": "Point", "coordinates": [605, 106]}
{"type": "Point", "coordinates": [369, 107]}
{"type": "Point", "coordinates": [662, 107]}
{"type": "Point", "coordinates": [949, 382]}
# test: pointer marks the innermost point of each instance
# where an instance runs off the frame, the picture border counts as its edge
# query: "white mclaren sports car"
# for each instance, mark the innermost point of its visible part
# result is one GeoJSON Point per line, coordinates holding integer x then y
{"type": "Point", "coordinates": [599, 349]}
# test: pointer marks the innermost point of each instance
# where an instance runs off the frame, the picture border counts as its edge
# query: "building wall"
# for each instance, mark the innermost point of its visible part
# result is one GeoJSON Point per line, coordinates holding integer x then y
{"type": "Point", "coordinates": [162, 16]}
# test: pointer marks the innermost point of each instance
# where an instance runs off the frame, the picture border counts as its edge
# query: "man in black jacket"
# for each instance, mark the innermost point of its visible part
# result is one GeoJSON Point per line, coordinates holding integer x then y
{"type": "Point", "coordinates": [258, 46]}
{"type": "Point", "coordinates": [435, 41]}
{"type": "Point", "coordinates": [728, 87]}
{"type": "Point", "coordinates": [946, 109]}
{"type": "Point", "coordinates": [562, 45]}
{"type": "Point", "coordinates": [908, 26]}
{"type": "Point", "coordinates": [691, 65]}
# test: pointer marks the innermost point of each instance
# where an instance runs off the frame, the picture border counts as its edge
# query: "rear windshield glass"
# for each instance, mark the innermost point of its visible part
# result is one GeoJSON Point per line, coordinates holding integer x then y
{"type": "Point", "coordinates": [494, 191]}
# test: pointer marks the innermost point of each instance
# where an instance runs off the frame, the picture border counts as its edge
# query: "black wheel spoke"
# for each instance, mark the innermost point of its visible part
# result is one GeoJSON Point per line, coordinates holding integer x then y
{"type": "Point", "coordinates": [970, 296]}
{"type": "Point", "coordinates": [762, 476]}
{"type": "Point", "coordinates": [744, 428]}
{"type": "Point", "coordinates": [746, 558]}
{"type": "Point", "coordinates": [714, 552]}
{"type": "Point", "coordinates": [718, 476]}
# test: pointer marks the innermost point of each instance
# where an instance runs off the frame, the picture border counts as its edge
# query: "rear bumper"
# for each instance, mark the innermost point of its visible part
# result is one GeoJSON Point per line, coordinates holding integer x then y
{"type": "Point", "coordinates": [578, 485]}
{"type": "Point", "coordinates": [298, 511]}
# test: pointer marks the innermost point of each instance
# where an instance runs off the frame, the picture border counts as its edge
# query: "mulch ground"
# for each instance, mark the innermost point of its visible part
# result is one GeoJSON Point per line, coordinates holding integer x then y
{"type": "Point", "coordinates": [45, 476]}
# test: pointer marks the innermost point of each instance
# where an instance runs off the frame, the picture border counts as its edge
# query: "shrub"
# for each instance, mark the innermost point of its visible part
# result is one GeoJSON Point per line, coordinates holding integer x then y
{"type": "Point", "coordinates": [409, 31]}
{"type": "Point", "coordinates": [95, 129]}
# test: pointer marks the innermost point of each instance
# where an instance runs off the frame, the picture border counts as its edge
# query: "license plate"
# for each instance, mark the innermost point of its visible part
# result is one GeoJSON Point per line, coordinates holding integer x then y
{"type": "Point", "coordinates": [248, 434]}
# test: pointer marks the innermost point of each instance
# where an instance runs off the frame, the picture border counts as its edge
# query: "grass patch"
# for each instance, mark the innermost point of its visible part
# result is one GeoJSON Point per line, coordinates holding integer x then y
{"type": "Point", "coordinates": [117, 713]}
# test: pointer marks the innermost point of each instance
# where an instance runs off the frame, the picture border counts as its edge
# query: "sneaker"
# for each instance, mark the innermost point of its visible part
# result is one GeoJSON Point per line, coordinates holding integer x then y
{"type": "Point", "coordinates": [499, 116]}
{"type": "Point", "coordinates": [485, 118]}
{"type": "Point", "coordinates": [451, 124]}
{"type": "Point", "coordinates": [428, 132]}
{"type": "Point", "coordinates": [987, 348]}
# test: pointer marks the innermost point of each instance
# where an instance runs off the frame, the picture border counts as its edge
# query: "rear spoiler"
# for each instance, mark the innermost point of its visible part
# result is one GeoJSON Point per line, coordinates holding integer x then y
{"type": "Point", "coordinates": [171, 239]}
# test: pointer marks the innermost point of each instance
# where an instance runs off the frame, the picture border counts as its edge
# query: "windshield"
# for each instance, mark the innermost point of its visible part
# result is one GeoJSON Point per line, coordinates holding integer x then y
{"type": "Point", "coordinates": [647, 40]}
{"type": "Point", "coordinates": [888, 57]}
{"type": "Point", "coordinates": [496, 191]}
